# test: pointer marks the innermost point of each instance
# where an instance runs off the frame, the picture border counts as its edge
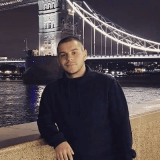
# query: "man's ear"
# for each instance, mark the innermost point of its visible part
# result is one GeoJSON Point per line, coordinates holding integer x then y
{"type": "Point", "coordinates": [85, 54]}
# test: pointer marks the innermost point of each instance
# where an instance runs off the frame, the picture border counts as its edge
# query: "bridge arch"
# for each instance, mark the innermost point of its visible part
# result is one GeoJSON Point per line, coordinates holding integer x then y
{"type": "Point", "coordinates": [50, 6]}
{"type": "Point", "coordinates": [45, 7]}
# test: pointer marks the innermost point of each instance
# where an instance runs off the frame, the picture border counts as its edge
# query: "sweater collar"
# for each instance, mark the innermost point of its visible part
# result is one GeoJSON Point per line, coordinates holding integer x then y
{"type": "Point", "coordinates": [86, 76]}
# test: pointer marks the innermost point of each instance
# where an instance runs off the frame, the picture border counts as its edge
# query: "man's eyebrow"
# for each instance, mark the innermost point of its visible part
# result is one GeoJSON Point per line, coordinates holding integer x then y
{"type": "Point", "coordinates": [74, 49]}
{"type": "Point", "coordinates": [65, 52]}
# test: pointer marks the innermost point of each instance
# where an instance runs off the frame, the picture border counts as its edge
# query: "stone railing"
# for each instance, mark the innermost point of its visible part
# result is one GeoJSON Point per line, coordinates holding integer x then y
{"type": "Point", "coordinates": [146, 141]}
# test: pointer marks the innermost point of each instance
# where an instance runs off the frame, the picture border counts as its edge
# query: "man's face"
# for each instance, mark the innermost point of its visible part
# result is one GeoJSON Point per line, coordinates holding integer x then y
{"type": "Point", "coordinates": [71, 57]}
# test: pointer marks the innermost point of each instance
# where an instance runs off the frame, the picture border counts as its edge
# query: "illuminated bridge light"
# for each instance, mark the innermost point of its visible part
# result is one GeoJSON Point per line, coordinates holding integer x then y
{"type": "Point", "coordinates": [114, 32]}
{"type": "Point", "coordinates": [109, 31]}
{"type": "Point", "coordinates": [10, 4]}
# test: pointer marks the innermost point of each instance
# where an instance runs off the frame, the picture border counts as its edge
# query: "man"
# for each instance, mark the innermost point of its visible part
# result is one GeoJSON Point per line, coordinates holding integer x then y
{"type": "Point", "coordinates": [84, 114]}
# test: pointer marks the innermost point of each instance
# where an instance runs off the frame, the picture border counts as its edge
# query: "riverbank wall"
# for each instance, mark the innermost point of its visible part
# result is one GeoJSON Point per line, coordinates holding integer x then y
{"type": "Point", "coordinates": [139, 79]}
{"type": "Point", "coordinates": [24, 142]}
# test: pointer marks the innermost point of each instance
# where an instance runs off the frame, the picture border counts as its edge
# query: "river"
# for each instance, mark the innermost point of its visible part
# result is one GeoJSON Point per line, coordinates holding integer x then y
{"type": "Point", "coordinates": [19, 102]}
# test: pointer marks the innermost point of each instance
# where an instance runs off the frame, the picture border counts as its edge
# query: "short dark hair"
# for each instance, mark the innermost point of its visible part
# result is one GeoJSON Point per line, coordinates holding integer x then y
{"type": "Point", "coordinates": [68, 39]}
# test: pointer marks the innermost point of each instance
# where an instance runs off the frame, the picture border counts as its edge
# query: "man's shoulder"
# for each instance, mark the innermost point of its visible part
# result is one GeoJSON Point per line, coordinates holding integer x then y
{"type": "Point", "coordinates": [52, 83]}
{"type": "Point", "coordinates": [55, 83]}
{"type": "Point", "coordinates": [51, 86]}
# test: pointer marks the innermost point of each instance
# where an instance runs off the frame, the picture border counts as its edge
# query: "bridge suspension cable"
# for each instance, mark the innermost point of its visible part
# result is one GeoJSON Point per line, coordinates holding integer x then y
{"type": "Point", "coordinates": [113, 31]}
{"type": "Point", "coordinates": [11, 4]}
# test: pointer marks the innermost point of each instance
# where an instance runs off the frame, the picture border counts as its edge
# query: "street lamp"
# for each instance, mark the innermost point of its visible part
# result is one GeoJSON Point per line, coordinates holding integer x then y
{"type": "Point", "coordinates": [71, 12]}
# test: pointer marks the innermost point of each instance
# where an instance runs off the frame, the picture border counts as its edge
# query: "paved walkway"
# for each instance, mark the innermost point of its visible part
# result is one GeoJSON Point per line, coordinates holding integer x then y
{"type": "Point", "coordinates": [17, 134]}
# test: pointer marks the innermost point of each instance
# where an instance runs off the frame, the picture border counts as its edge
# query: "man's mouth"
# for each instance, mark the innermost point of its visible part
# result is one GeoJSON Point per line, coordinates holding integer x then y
{"type": "Point", "coordinates": [70, 64]}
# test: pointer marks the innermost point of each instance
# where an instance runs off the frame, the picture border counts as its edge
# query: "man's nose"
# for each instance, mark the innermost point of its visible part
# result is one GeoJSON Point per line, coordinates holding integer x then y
{"type": "Point", "coordinates": [70, 58]}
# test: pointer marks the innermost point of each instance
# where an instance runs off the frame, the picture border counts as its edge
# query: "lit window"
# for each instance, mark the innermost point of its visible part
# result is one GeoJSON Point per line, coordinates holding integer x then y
{"type": "Point", "coordinates": [49, 6]}
{"type": "Point", "coordinates": [49, 41]}
{"type": "Point", "coordinates": [49, 25]}
{"type": "Point", "coordinates": [45, 7]}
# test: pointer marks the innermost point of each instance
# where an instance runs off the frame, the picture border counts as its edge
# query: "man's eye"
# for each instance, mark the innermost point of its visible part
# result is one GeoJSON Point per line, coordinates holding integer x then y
{"type": "Point", "coordinates": [62, 55]}
{"type": "Point", "coordinates": [73, 52]}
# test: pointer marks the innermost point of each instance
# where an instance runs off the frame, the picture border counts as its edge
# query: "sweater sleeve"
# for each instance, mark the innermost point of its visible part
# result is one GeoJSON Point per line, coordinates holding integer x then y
{"type": "Point", "coordinates": [120, 123]}
{"type": "Point", "coordinates": [46, 119]}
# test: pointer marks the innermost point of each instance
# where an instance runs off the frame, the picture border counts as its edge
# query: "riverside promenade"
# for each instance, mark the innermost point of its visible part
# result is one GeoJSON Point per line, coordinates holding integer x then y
{"type": "Point", "coordinates": [23, 141]}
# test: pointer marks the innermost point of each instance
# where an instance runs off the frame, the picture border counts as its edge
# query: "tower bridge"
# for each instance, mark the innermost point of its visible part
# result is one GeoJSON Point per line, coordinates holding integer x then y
{"type": "Point", "coordinates": [103, 39]}
{"type": "Point", "coordinates": [99, 35]}
{"type": "Point", "coordinates": [59, 18]}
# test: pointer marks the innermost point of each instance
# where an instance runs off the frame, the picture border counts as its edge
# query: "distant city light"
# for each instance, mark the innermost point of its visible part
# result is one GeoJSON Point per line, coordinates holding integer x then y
{"type": "Point", "coordinates": [143, 69]}
{"type": "Point", "coordinates": [112, 72]}
{"type": "Point", "coordinates": [3, 58]}
{"type": "Point", "coordinates": [8, 72]}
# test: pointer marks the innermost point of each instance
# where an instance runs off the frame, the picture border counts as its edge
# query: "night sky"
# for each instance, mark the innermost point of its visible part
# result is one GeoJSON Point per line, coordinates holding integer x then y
{"type": "Point", "coordinates": [141, 17]}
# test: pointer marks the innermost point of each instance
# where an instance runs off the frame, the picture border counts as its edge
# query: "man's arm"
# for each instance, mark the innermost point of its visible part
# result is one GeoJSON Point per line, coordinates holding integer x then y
{"type": "Point", "coordinates": [46, 120]}
{"type": "Point", "coordinates": [48, 129]}
{"type": "Point", "coordinates": [120, 123]}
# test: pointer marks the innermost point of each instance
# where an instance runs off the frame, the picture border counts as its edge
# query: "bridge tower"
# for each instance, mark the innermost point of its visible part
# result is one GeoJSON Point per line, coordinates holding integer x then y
{"type": "Point", "coordinates": [56, 20]}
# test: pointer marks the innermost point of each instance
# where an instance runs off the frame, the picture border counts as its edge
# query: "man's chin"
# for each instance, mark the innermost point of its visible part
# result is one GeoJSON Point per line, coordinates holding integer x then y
{"type": "Point", "coordinates": [70, 72]}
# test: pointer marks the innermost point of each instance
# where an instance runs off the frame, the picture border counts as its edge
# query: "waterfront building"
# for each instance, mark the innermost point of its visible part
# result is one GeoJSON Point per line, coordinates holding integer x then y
{"type": "Point", "coordinates": [3, 58]}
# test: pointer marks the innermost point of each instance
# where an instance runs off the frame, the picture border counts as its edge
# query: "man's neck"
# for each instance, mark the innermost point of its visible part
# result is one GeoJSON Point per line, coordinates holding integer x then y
{"type": "Point", "coordinates": [77, 75]}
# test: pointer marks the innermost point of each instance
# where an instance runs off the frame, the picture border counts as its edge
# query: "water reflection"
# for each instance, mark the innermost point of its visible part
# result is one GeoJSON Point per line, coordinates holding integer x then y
{"type": "Point", "coordinates": [19, 103]}
{"type": "Point", "coordinates": [33, 95]}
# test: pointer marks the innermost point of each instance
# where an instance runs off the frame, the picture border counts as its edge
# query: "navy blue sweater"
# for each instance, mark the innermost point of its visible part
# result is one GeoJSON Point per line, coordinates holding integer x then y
{"type": "Point", "coordinates": [90, 113]}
